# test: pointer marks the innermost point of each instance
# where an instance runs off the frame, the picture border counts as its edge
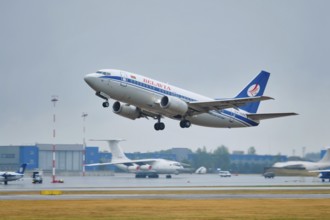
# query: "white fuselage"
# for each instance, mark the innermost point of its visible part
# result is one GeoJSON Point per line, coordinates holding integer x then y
{"type": "Point", "coordinates": [303, 165]}
{"type": "Point", "coordinates": [146, 93]}
{"type": "Point", "coordinates": [11, 176]}
{"type": "Point", "coordinates": [324, 163]}
{"type": "Point", "coordinates": [160, 166]}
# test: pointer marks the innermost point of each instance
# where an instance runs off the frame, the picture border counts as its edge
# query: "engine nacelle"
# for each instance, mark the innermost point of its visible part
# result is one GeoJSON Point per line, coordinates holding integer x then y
{"type": "Point", "coordinates": [145, 167]}
{"type": "Point", "coordinates": [174, 105]}
{"type": "Point", "coordinates": [126, 110]}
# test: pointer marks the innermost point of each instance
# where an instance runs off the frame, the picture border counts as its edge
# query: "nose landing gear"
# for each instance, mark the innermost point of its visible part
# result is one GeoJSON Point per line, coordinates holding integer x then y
{"type": "Point", "coordinates": [105, 104]}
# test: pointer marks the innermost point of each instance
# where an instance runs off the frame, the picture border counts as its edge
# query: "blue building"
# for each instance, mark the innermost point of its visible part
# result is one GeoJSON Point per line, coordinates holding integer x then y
{"type": "Point", "coordinates": [29, 155]}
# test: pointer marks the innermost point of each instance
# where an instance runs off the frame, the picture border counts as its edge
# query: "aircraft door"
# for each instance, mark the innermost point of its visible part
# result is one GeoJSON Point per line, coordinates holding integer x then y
{"type": "Point", "coordinates": [123, 79]}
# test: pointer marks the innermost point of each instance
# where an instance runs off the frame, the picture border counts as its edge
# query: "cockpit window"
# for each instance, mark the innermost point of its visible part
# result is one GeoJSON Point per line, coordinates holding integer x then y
{"type": "Point", "coordinates": [104, 73]}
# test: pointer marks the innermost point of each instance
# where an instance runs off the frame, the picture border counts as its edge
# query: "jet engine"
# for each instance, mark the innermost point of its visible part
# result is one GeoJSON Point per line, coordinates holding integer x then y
{"type": "Point", "coordinates": [125, 110]}
{"type": "Point", "coordinates": [174, 105]}
{"type": "Point", "coordinates": [145, 167]}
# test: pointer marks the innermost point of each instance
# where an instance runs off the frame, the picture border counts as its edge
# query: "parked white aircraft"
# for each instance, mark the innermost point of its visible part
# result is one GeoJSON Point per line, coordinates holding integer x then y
{"type": "Point", "coordinates": [138, 96]}
{"type": "Point", "coordinates": [6, 176]}
{"type": "Point", "coordinates": [142, 168]}
{"type": "Point", "coordinates": [324, 163]}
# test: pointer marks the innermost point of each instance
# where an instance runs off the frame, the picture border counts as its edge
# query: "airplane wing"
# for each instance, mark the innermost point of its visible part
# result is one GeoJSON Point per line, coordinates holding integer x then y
{"type": "Point", "coordinates": [207, 106]}
{"type": "Point", "coordinates": [127, 163]}
{"type": "Point", "coordinates": [108, 163]}
{"type": "Point", "coordinates": [7, 174]}
{"type": "Point", "coordinates": [269, 115]}
{"type": "Point", "coordinates": [319, 171]}
{"type": "Point", "coordinates": [147, 114]}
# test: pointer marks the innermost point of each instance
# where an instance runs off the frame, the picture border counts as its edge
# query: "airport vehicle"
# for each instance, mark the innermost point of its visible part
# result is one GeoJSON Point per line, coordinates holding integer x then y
{"type": "Point", "coordinates": [6, 176]}
{"type": "Point", "coordinates": [142, 168]}
{"type": "Point", "coordinates": [269, 175]}
{"type": "Point", "coordinates": [224, 174]}
{"type": "Point", "coordinates": [324, 163]}
{"type": "Point", "coordinates": [36, 177]}
{"type": "Point", "coordinates": [138, 96]}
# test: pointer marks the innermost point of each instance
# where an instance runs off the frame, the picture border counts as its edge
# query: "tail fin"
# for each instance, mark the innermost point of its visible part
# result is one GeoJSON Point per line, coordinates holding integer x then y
{"type": "Point", "coordinates": [326, 157]}
{"type": "Point", "coordinates": [117, 153]}
{"type": "Point", "coordinates": [255, 88]}
{"type": "Point", "coordinates": [21, 169]}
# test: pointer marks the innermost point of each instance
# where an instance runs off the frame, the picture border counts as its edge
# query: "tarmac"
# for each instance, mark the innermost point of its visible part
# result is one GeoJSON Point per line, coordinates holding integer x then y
{"type": "Point", "coordinates": [163, 188]}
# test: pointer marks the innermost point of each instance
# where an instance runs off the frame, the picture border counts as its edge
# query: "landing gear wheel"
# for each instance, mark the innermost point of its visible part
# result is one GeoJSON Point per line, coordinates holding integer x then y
{"type": "Point", "coordinates": [105, 104]}
{"type": "Point", "coordinates": [159, 126]}
{"type": "Point", "coordinates": [185, 124]}
{"type": "Point", "coordinates": [168, 176]}
{"type": "Point", "coordinates": [153, 175]}
{"type": "Point", "coordinates": [140, 175]}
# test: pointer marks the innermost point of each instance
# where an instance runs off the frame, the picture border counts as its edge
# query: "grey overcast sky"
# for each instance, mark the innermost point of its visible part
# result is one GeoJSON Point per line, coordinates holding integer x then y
{"type": "Point", "coordinates": [210, 47]}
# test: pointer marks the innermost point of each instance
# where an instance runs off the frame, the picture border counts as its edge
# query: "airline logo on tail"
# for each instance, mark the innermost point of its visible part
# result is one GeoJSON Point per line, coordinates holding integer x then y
{"type": "Point", "coordinates": [253, 90]}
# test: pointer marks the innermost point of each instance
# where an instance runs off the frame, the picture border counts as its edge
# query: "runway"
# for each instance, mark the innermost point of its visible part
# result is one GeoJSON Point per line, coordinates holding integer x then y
{"type": "Point", "coordinates": [190, 186]}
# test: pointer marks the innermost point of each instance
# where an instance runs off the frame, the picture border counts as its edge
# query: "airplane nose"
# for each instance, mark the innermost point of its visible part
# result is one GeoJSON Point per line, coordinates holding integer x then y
{"type": "Point", "coordinates": [89, 79]}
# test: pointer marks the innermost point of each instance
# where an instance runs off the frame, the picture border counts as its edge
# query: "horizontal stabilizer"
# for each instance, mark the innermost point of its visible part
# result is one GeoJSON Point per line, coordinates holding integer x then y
{"type": "Point", "coordinates": [269, 115]}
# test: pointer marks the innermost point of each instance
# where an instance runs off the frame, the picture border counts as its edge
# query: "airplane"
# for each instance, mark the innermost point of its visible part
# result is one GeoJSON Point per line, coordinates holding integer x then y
{"type": "Point", "coordinates": [6, 176]}
{"type": "Point", "coordinates": [138, 96]}
{"type": "Point", "coordinates": [143, 167]}
{"type": "Point", "coordinates": [323, 174]}
{"type": "Point", "coordinates": [324, 163]}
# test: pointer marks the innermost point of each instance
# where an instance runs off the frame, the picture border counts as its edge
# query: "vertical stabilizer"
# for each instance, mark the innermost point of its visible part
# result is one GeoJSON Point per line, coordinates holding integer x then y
{"type": "Point", "coordinates": [326, 157]}
{"type": "Point", "coordinates": [21, 169]}
{"type": "Point", "coordinates": [117, 153]}
{"type": "Point", "coordinates": [255, 88]}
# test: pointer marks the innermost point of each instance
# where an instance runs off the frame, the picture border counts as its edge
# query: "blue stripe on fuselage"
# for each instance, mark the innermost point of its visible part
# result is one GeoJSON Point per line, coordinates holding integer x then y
{"type": "Point", "coordinates": [224, 113]}
{"type": "Point", "coordinates": [242, 119]}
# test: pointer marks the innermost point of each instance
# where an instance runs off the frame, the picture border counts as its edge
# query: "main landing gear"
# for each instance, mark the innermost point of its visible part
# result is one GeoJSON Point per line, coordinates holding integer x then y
{"type": "Point", "coordinates": [160, 125]}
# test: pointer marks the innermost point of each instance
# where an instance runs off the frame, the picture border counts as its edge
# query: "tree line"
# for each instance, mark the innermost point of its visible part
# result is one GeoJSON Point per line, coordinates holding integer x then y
{"type": "Point", "coordinates": [220, 158]}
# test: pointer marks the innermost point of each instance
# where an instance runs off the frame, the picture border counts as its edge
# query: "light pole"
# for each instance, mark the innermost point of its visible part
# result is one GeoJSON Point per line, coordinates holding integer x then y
{"type": "Point", "coordinates": [54, 100]}
{"type": "Point", "coordinates": [84, 115]}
